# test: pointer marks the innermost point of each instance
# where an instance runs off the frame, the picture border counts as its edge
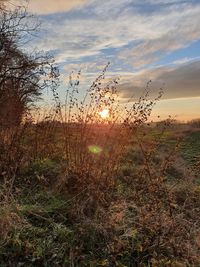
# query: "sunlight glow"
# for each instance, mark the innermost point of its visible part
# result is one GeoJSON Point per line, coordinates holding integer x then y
{"type": "Point", "coordinates": [104, 114]}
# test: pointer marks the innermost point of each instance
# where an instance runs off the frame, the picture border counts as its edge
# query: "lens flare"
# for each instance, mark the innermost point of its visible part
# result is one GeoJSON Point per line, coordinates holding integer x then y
{"type": "Point", "coordinates": [95, 149]}
{"type": "Point", "coordinates": [104, 113]}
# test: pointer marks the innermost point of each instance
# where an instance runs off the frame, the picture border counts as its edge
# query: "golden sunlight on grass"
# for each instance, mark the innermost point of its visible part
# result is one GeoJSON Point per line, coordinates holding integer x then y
{"type": "Point", "coordinates": [104, 113]}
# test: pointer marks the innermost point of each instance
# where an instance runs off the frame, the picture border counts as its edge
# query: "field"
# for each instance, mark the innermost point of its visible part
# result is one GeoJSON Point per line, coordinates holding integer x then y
{"type": "Point", "coordinates": [95, 170]}
{"type": "Point", "coordinates": [145, 212]}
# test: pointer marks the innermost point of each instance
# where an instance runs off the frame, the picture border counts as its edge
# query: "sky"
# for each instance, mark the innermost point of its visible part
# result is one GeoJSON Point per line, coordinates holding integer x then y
{"type": "Point", "coordinates": [144, 40]}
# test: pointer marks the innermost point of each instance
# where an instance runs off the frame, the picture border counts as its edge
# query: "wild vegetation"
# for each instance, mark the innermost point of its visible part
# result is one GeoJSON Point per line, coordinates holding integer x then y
{"type": "Point", "coordinates": [90, 182]}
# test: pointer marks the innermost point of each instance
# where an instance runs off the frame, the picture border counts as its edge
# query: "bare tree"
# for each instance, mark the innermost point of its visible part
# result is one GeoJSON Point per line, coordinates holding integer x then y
{"type": "Point", "coordinates": [23, 76]}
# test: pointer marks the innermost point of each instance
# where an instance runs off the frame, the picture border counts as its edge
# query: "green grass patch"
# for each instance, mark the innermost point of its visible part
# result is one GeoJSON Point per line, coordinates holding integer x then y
{"type": "Point", "coordinates": [190, 148]}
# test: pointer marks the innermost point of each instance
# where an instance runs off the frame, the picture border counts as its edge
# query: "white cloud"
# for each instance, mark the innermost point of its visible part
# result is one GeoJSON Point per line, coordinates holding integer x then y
{"type": "Point", "coordinates": [97, 29]}
{"type": "Point", "coordinates": [184, 60]}
{"type": "Point", "coordinates": [180, 28]}
{"type": "Point", "coordinates": [86, 67]}
{"type": "Point", "coordinates": [165, 1]}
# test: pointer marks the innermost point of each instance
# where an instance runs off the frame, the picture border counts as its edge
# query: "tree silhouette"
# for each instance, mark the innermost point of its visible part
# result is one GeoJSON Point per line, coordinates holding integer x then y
{"type": "Point", "coordinates": [23, 75]}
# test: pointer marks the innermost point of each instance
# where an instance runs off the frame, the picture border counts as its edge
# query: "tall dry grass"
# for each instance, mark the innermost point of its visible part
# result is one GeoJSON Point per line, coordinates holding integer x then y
{"type": "Point", "coordinates": [154, 221]}
{"type": "Point", "coordinates": [91, 146]}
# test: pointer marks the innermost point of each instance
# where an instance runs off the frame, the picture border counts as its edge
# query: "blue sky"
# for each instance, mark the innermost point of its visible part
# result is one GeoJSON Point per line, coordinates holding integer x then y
{"type": "Point", "coordinates": [143, 40]}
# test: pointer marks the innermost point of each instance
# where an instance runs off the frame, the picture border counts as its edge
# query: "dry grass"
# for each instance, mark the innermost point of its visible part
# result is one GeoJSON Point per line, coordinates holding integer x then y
{"type": "Point", "coordinates": [112, 200]}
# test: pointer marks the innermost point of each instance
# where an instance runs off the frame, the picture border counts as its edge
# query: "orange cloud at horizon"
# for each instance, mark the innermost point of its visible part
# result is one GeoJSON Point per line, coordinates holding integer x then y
{"type": "Point", "coordinates": [45, 7]}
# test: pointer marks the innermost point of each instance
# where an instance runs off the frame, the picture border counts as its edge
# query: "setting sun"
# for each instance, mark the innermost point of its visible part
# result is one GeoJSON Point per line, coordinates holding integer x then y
{"type": "Point", "coordinates": [104, 113]}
